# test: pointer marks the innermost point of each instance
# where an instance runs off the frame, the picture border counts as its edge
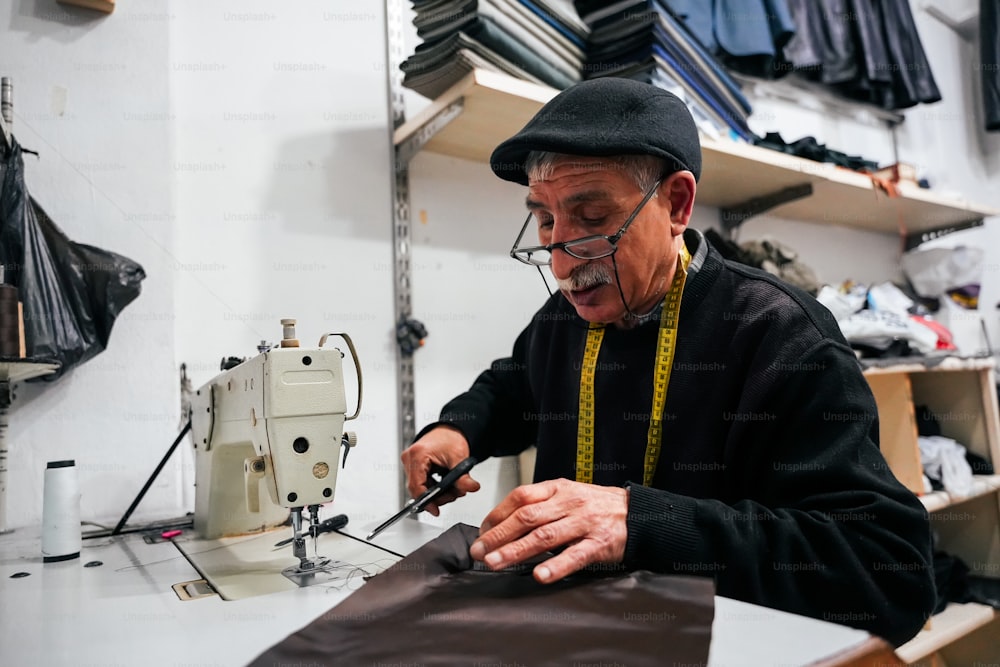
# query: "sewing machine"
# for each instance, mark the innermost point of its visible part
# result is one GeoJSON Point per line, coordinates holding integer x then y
{"type": "Point", "coordinates": [268, 435]}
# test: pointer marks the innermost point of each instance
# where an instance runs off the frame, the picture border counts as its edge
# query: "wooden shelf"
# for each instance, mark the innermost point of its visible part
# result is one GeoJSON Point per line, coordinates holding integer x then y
{"type": "Point", "coordinates": [982, 485]}
{"type": "Point", "coordinates": [961, 394]}
{"type": "Point", "coordinates": [955, 622]}
{"type": "Point", "coordinates": [19, 370]}
{"type": "Point", "coordinates": [928, 364]}
{"type": "Point", "coordinates": [496, 106]}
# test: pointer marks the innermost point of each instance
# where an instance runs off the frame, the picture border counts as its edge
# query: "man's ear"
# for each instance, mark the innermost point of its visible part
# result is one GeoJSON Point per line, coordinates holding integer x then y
{"type": "Point", "coordinates": [679, 189]}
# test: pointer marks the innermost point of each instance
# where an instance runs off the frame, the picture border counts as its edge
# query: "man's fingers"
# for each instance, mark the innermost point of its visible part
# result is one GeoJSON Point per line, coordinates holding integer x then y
{"type": "Point", "coordinates": [588, 521]}
{"type": "Point", "coordinates": [415, 483]}
{"type": "Point", "coordinates": [519, 538]}
{"type": "Point", "coordinates": [466, 484]}
{"type": "Point", "coordinates": [572, 559]}
{"type": "Point", "coordinates": [519, 497]}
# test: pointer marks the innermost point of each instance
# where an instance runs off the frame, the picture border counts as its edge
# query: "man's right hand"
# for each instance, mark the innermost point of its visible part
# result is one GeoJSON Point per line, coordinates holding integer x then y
{"type": "Point", "coordinates": [441, 447]}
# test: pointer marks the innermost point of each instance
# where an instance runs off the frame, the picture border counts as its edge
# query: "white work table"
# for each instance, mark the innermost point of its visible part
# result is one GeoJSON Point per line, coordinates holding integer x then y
{"type": "Point", "coordinates": [125, 612]}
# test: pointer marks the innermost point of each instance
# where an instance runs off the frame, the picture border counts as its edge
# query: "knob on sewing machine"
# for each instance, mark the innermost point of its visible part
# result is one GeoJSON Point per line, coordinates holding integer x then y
{"type": "Point", "coordinates": [276, 421]}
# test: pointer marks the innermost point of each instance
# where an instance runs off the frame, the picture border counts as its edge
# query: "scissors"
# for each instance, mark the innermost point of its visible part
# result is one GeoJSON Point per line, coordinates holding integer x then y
{"type": "Point", "coordinates": [417, 505]}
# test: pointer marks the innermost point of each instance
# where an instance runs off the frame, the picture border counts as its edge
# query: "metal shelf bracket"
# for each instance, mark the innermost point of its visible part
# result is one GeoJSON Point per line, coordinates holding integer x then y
{"type": "Point", "coordinates": [731, 217]}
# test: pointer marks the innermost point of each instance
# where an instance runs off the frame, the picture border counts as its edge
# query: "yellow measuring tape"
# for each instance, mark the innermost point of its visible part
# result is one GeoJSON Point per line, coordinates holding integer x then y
{"type": "Point", "coordinates": [665, 346]}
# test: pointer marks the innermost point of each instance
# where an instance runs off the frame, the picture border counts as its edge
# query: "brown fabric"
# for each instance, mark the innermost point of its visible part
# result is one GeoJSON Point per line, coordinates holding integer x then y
{"type": "Point", "coordinates": [435, 607]}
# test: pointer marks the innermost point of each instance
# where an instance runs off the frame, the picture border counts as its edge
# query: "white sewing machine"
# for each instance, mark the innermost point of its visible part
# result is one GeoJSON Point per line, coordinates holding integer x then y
{"type": "Point", "coordinates": [275, 421]}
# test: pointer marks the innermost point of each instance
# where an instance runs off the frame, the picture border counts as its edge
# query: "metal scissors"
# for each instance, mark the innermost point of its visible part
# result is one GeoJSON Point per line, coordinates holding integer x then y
{"type": "Point", "coordinates": [417, 505]}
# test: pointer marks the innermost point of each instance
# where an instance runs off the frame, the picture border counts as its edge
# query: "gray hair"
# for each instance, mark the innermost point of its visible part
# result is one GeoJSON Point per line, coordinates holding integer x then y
{"type": "Point", "coordinates": [643, 170]}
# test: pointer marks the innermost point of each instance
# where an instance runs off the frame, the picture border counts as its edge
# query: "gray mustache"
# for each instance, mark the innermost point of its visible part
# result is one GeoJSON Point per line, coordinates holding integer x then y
{"type": "Point", "coordinates": [585, 277]}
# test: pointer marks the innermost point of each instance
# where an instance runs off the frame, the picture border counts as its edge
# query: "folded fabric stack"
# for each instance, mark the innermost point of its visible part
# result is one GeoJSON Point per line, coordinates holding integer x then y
{"type": "Point", "coordinates": [746, 35]}
{"type": "Point", "coordinates": [644, 40]}
{"type": "Point", "coordinates": [868, 50]}
{"type": "Point", "coordinates": [537, 40]}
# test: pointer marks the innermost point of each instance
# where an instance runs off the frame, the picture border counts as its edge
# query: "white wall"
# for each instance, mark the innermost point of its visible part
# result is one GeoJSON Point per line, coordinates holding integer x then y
{"type": "Point", "coordinates": [239, 151]}
{"type": "Point", "coordinates": [281, 174]}
{"type": "Point", "coordinates": [91, 95]}
{"type": "Point", "coordinates": [473, 298]}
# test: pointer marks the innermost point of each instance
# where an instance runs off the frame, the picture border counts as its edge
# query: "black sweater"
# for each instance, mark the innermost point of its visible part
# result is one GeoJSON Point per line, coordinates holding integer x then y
{"type": "Point", "coordinates": [770, 477]}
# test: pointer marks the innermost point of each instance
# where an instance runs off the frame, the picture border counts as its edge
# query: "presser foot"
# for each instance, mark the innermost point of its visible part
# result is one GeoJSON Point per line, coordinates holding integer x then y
{"type": "Point", "coordinates": [323, 570]}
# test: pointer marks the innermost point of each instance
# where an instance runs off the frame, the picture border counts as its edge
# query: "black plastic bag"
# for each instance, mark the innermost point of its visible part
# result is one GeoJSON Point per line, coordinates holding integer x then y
{"type": "Point", "coordinates": [71, 292]}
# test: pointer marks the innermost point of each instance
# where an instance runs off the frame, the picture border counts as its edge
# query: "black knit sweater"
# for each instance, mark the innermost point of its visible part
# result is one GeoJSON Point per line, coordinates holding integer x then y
{"type": "Point", "coordinates": [770, 477]}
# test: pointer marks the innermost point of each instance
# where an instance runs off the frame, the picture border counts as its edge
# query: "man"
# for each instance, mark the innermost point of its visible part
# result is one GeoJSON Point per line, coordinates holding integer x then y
{"type": "Point", "coordinates": [691, 415]}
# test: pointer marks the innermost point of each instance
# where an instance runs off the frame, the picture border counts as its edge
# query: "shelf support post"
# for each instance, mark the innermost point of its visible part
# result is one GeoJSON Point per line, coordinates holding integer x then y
{"type": "Point", "coordinates": [400, 157]}
{"type": "Point", "coordinates": [413, 145]}
{"type": "Point", "coordinates": [400, 183]}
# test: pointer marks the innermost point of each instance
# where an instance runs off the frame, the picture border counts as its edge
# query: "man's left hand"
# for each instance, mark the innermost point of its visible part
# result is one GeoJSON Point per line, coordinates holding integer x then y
{"type": "Point", "coordinates": [536, 518]}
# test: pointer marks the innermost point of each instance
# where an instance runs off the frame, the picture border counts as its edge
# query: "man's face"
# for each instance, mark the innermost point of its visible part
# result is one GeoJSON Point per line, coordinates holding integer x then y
{"type": "Point", "coordinates": [587, 196]}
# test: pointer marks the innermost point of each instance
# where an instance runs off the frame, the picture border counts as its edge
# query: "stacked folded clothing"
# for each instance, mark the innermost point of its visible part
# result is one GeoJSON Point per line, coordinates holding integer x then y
{"type": "Point", "coordinates": [537, 40]}
{"type": "Point", "coordinates": [644, 40]}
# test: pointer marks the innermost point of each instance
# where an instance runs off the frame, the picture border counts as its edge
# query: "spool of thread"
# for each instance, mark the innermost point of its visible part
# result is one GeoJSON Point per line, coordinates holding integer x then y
{"type": "Point", "coordinates": [61, 512]}
{"type": "Point", "coordinates": [10, 330]}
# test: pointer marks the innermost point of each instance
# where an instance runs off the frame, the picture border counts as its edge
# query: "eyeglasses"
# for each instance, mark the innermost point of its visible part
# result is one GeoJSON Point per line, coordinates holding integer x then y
{"type": "Point", "coordinates": [588, 247]}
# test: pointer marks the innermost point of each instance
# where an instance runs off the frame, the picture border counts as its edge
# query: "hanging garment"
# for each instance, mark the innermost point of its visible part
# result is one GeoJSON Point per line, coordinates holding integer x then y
{"type": "Point", "coordinates": [912, 80]}
{"type": "Point", "coordinates": [868, 50]}
{"type": "Point", "coordinates": [804, 51]}
{"type": "Point", "coordinates": [438, 607]}
{"type": "Point", "coordinates": [989, 61]}
{"type": "Point", "coordinates": [746, 35]}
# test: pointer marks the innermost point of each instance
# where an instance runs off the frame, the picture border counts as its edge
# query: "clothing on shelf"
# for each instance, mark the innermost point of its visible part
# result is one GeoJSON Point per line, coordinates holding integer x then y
{"type": "Point", "coordinates": [770, 255]}
{"type": "Point", "coordinates": [867, 50]}
{"type": "Point", "coordinates": [747, 36]}
{"type": "Point", "coordinates": [537, 41]}
{"type": "Point", "coordinates": [955, 583]}
{"type": "Point", "coordinates": [989, 61]}
{"type": "Point", "coordinates": [809, 148]}
{"type": "Point", "coordinates": [643, 40]}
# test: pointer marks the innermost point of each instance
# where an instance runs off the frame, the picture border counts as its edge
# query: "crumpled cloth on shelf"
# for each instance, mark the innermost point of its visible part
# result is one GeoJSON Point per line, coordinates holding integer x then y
{"type": "Point", "coordinates": [889, 298]}
{"type": "Point", "coordinates": [809, 148]}
{"type": "Point", "coordinates": [886, 296]}
{"type": "Point", "coordinates": [843, 303]}
{"type": "Point", "coordinates": [880, 329]}
{"type": "Point", "coordinates": [933, 272]}
{"type": "Point", "coordinates": [955, 583]}
{"type": "Point", "coordinates": [436, 607]}
{"type": "Point", "coordinates": [770, 255]}
{"type": "Point", "coordinates": [943, 459]}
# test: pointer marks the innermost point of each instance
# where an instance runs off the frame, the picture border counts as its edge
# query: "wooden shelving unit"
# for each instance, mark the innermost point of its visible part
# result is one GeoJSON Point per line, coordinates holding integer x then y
{"type": "Point", "coordinates": [983, 485]}
{"type": "Point", "coordinates": [955, 622]}
{"type": "Point", "coordinates": [495, 106]}
{"type": "Point", "coordinates": [961, 393]}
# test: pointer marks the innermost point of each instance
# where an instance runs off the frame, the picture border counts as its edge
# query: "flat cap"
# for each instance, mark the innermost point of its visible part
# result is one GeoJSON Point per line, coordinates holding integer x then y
{"type": "Point", "coordinates": [604, 117]}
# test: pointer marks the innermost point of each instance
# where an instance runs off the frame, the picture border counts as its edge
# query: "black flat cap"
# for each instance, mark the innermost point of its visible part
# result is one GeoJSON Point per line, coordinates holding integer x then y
{"type": "Point", "coordinates": [604, 117]}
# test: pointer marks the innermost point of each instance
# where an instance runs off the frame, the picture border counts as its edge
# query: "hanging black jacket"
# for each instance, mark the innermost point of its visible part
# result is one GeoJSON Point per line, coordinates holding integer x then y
{"type": "Point", "coordinates": [912, 80]}
{"type": "Point", "coordinates": [869, 50]}
{"type": "Point", "coordinates": [989, 61]}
